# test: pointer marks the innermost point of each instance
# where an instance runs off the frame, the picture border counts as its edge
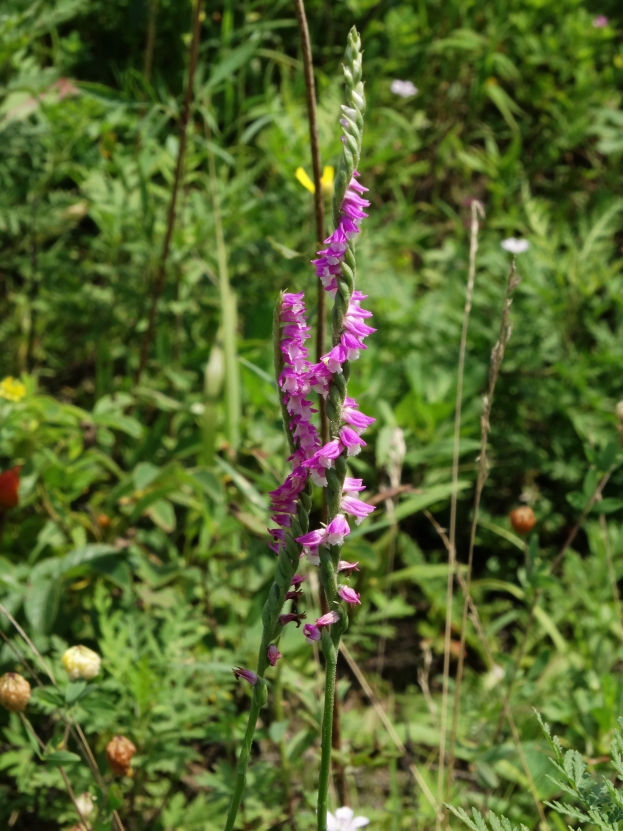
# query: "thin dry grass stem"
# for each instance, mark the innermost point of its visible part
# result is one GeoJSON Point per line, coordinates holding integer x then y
{"type": "Point", "coordinates": [310, 90]}
{"type": "Point", "coordinates": [475, 618]}
{"type": "Point", "coordinates": [160, 279]}
{"type": "Point", "coordinates": [611, 572]}
{"type": "Point", "coordinates": [385, 720]}
{"type": "Point", "coordinates": [537, 596]}
{"type": "Point", "coordinates": [74, 728]}
{"type": "Point", "coordinates": [394, 468]}
{"type": "Point", "coordinates": [497, 356]}
{"type": "Point", "coordinates": [28, 727]}
{"type": "Point", "coordinates": [477, 210]}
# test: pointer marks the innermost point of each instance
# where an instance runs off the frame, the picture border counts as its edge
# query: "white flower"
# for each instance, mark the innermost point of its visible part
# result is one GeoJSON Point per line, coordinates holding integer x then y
{"type": "Point", "coordinates": [405, 89]}
{"type": "Point", "coordinates": [345, 820]}
{"type": "Point", "coordinates": [515, 246]}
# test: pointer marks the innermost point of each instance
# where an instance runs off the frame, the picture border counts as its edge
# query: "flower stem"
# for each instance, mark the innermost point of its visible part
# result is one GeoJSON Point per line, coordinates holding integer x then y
{"type": "Point", "coordinates": [245, 751]}
{"type": "Point", "coordinates": [330, 653]}
{"type": "Point", "coordinates": [287, 564]}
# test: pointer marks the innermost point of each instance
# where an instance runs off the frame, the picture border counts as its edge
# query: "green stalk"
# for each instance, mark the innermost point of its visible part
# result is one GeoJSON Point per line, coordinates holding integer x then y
{"type": "Point", "coordinates": [329, 556]}
{"type": "Point", "coordinates": [287, 565]}
{"type": "Point", "coordinates": [228, 320]}
{"type": "Point", "coordinates": [330, 652]}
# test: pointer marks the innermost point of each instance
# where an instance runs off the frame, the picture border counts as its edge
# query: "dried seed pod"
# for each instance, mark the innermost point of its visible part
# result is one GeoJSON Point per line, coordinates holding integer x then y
{"type": "Point", "coordinates": [14, 692]}
{"type": "Point", "coordinates": [619, 411]}
{"type": "Point", "coordinates": [119, 753]}
{"type": "Point", "coordinates": [81, 662]}
{"type": "Point", "coordinates": [103, 520]}
{"type": "Point", "coordinates": [523, 519]}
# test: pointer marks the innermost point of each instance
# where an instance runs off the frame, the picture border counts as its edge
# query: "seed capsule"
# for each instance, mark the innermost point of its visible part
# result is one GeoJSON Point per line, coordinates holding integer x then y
{"type": "Point", "coordinates": [619, 410]}
{"type": "Point", "coordinates": [523, 519]}
{"type": "Point", "coordinates": [14, 692]}
{"type": "Point", "coordinates": [119, 753]}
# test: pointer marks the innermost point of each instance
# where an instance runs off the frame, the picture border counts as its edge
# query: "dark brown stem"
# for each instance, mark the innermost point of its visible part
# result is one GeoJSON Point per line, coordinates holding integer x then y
{"type": "Point", "coordinates": [310, 89]}
{"type": "Point", "coordinates": [159, 282]}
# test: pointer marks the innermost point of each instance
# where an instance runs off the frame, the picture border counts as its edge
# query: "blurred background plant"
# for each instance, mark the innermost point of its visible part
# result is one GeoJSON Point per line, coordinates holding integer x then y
{"type": "Point", "coordinates": [139, 528]}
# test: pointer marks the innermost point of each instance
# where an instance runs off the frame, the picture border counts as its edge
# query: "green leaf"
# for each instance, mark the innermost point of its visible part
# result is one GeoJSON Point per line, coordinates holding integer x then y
{"type": "Point", "coordinates": [607, 506]}
{"type": "Point", "coordinates": [162, 514]}
{"type": "Point", "coordinates": [144, 474]}
{"type": "Point", "coordinates": [41, 604]}
{"type": "Point", "coordinates": [115, 797]}
{"type": "Point", "coordinates": [74, 691]}
{"type": "Point", "coordinates": [85, 555]}
{"type": "Point", "coordinates": [49, 695]}
{"type": "Point", "coordinates": [62, 757]}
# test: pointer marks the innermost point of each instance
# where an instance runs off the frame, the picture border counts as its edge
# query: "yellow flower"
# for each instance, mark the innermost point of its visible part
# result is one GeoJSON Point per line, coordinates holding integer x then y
{"type": "Point", "coordinates": [326, 179]}
{"type": "Point", "coordinates": [12, 389]}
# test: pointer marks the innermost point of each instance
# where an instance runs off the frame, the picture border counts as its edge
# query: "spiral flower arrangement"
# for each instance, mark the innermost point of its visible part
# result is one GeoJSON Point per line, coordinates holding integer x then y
{"type": "Point", "coordinates": [313, 463]}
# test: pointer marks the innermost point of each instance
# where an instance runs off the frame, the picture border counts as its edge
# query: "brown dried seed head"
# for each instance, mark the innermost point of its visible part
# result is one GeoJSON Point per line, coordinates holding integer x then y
{"type": "Point", "coordinates": [14, 692]}
{"type": "Point", "coordinates": [103, 520]}
{"type": "Point", "coordinates": [119, 752]}
{"type": "Point", "coordinates": [619, 410]}
{"type": "Point", "coordinates": [523, 519]}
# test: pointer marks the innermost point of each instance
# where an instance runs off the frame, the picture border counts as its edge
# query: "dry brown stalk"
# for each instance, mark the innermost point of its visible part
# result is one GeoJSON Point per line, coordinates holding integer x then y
{"type": "Point", "coordinates": [160, 279]}
{"type": "Point", "coordinates": [477, 210]}
{"type": "Point", "coordinates": [475, 617]}
{"type": "Point", "coordinates": [385, 720]}
{"type": "Point", "coordinates": [497, 356]}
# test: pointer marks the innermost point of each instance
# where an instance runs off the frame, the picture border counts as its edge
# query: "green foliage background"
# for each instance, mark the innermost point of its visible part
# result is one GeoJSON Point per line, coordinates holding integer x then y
{"type": "Point", "coordinates": [132, 537]}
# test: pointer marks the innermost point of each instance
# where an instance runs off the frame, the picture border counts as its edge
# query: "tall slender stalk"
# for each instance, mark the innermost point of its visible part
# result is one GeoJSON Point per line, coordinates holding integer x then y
{"type": "Point", "coordinates": [497, 356]}
{"type": "Point", "coordinates": [475, 617]}
{"type": "Point", "coordinates": [476, 208]}
{"type": "Point", "coordinates": [310, 89]}
{"type": "Point", "coordinates": [160, 279]}
{"type": "Point", "coordinates": [329, 555]}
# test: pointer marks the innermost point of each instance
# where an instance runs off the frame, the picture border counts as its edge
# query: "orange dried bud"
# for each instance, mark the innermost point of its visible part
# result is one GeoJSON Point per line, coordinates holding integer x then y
{"type": "Point", "coordinates": [103, 520]}
{"type": "Point", "coordinates": [119, 752]}
{"type": "Point", "coordinates": [523, 519]}
{"type": "Point", "coordinates": [14, 692]}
